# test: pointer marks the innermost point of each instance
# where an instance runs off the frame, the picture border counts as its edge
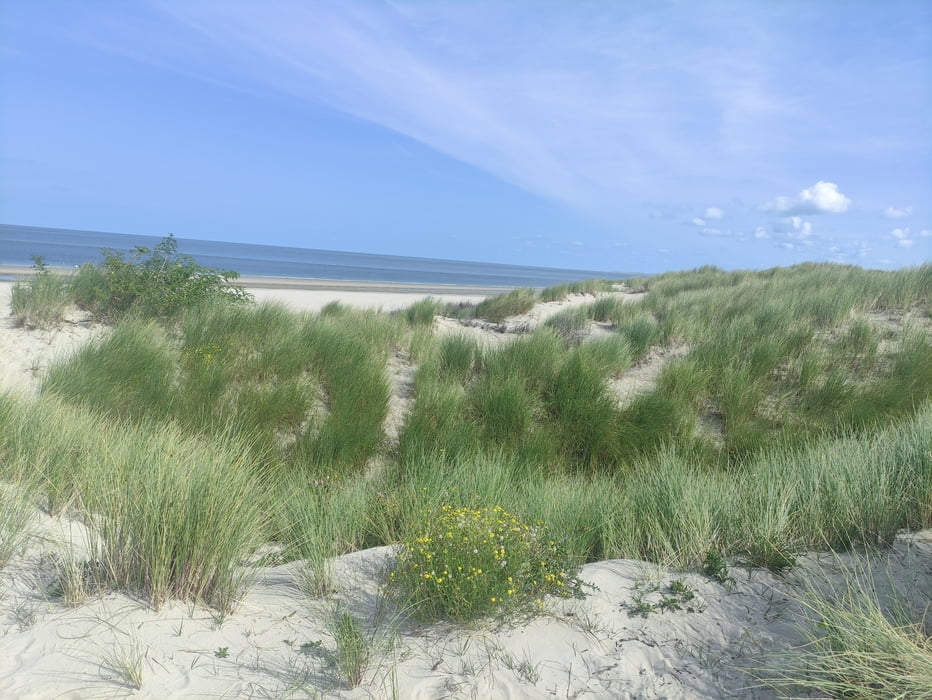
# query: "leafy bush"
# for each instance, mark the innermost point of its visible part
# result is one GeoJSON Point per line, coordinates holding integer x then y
{"type": "Point", "coordinates": [465, 563]}
{"type": "Point", "coordinates": [157, 282]}
{"type": "Point", "coordinates": [40, 301]}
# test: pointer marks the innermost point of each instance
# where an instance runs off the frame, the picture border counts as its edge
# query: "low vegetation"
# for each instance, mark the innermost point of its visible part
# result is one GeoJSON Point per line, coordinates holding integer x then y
{"type": "Point", "coordinates": [41, 300]}
{"type": "Point", "coordinates": [464, 563]}
{"type": "Point", "coordinates": [795, 414]}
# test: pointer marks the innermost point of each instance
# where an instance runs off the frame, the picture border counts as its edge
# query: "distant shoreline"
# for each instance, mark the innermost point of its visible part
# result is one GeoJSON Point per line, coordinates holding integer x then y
{"type": "Point", "coordinates": [314, 284]}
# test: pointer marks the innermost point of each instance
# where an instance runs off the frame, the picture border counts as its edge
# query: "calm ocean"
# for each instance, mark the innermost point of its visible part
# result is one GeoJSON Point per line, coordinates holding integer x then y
{"type": "Point", "coordinates": [69, 248]}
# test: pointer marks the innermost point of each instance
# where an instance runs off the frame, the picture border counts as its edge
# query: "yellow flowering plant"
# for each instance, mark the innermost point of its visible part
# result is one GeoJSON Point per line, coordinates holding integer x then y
{"type": "Point", "coordinates": [465, 563]}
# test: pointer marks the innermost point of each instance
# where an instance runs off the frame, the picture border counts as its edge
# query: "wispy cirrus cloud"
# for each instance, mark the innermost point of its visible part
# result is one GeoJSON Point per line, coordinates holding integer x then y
{"type": "Point", "coordinates": [652, 118]}
{"type": "Point", "coordinates": [582, 105]}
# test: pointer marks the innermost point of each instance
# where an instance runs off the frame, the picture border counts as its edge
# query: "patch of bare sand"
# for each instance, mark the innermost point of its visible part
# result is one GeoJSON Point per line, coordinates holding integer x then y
{"type": "Point", "coordinates": [642, 377]}
{"type": "Point", "coordinates": [490, 334]}
{"type": "Point", "coordinates": [27, 353]}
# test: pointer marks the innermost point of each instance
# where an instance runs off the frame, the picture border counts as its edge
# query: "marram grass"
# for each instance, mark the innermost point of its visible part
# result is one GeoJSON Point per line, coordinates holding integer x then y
{"type": "Point", "coordinates": [788, 419]}
{"type": "Point", "coordinates": [176, 516]}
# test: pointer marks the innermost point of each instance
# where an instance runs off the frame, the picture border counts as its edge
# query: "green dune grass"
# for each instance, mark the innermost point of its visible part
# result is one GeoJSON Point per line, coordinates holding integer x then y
{"type": "Point", "coordinates": [795, 414]}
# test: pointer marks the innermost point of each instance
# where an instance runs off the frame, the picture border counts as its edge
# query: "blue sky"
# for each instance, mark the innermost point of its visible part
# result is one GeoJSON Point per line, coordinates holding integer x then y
{"type": "Point", "coordinates": [632, 136]}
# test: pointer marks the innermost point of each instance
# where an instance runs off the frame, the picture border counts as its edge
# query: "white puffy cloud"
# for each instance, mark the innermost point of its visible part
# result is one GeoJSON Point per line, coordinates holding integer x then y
{"type": "Point", "coordinates": [794, 227]}
{"type": "Point", "coordinates": [825, 197]}
{"type": "Point", "coordinates": [822, 198]}
{"type": "Point", "coordinates": [699, 222]}
{"type": "Point", "coordinates": [894, 213]}
{"type": "Point", "coordinates": [714, 213]}
{"type": "Point", "coordinates": [903, 239]}
{"type": "Point", "coordinates": [803, 229]}
{"type": "Point", "coordinates": [925, 233]}
{"type": "Point", "coordinates": [711, 232]}
{"type": "Point", "coordinates": [761, 233]}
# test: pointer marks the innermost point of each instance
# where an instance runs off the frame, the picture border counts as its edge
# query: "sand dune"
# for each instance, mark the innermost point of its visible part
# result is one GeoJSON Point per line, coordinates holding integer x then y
{"type": "Point", "coordinates": [632, 636]}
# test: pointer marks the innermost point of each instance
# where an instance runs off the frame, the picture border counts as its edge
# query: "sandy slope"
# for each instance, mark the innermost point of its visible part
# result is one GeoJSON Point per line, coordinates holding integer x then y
{"type": "Point", "coordinates": [276, 644]}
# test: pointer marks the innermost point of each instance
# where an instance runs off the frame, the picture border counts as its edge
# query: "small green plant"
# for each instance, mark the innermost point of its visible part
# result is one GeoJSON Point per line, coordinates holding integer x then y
{"type": "Point", "coordinates": [75, 581]}
{"type": "Point", "coordinates": [309, 647]}
{"type": "Point", "coordinates": [127, 662]}
{"type": "Point", "coordinates": [24, 614]}
{"type": "Point", "coordinates": [465, 563]}
{"type": "Point", "coordinates": [571, 323]}
{"type": "Point", "coordinates": [353, 646]}
{"type": "Point", "coordinates": [716, 568]}
{"type": "Point", "coordinates": [676, 595]}
{"type": "Point", "coordinates": [222, 652]}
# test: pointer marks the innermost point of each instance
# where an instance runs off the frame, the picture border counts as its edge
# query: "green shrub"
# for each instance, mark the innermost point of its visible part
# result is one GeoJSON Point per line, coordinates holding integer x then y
{"type": "Point", "coordinates": [353, 377]}
{"type": "Point", "coordinates": [464, 563]}
{"type": "Point", "coordinates": [157, 283]}
{"type": "Point", "coordinates": [40, 301]}
{"type": "Point", "coordinates": [436, 424]}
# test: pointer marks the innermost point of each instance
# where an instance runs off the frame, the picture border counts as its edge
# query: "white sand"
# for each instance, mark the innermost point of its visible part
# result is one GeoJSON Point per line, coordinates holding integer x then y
{"type": "Point", "coordinates": [276, 645]}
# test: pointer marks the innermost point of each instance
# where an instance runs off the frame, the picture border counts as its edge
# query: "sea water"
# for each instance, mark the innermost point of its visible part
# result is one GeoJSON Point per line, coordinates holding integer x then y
{"type": "Point", "coordinates": [70, 248]}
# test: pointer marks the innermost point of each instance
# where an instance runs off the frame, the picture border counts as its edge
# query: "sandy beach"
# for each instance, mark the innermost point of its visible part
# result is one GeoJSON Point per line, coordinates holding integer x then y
{"type": "Point", "coordinates": [711, 644]}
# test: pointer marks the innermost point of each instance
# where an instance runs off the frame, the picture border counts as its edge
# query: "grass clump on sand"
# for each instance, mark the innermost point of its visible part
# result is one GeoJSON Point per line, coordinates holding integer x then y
{"type": "Point", "coordinates": [40, 301]}
{"type": "Point", "coordinates": [465, 563]}
{"type": "Point", "coordinates": [17, 510]}
{"type": "Point", "coordinates": [496, 309]}
{"type": "Point", "coordinates": [421, 313]}
{"type": "Point", "coordinates": [867, 639]}
{"type": "Point", "coordinates": [561, 291]}
{"type": "Point", "coordinates": [176, 517]}
{"type": "Point", "coordinates": [307, 391]}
